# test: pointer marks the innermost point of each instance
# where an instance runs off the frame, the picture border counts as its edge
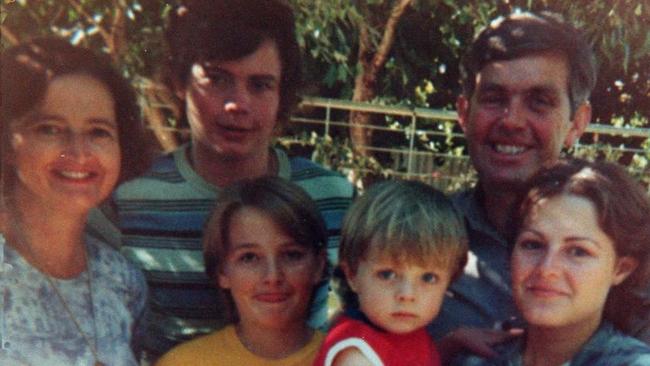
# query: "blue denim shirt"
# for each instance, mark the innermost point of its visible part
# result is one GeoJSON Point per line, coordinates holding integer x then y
{"type": "Point", "coordinates": [607, 347]}
{"type": "Point", "coordinates": [482, 296]}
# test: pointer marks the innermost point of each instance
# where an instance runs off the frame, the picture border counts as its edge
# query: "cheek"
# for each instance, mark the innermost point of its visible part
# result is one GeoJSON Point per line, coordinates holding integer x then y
{"type": "Point", "coordinates": [31, 157]}
{"type": "Point", "coordinates": [200, 105]}
{"type": "Point", "coordinates": [304, 279]}
{"type": "Point", "coordinates": [521, 267]}
{"type": "Point", "coordinates": [479, 121]}
{"type": "Point", "coordinates": [435, 299]}
{"type": "Point", "coordinates": [268, 107]}
{"type": "Point", "coordinates": [242, 283]}
{"type": "Point", "coordinates": [110, 157]}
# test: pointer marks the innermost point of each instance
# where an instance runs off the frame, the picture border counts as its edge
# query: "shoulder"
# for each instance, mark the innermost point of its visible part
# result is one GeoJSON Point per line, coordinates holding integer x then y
{"type": "Point", "coordinates": [319, 182]}
{"type": "Point", "coordinates": [110, 263]}
{"type": "Point", "coordinates": [349, 341]}
{"type": "Point", "coordinates": [509, 353]}
{"type": "Point", "coordinates": [611, 347]}
{"type": "Point", "coordinates": [304, 169]}
{"type": "Point", "coordinates": [170, 178]}
{"type": "Point", "coordinates": [464, 201]}
{"type": "Point", "coordinates": [162, 172]}
{"type": "Point", "coordinates": [353, 357]}
{"type": "Point", "coordinates": [164, 168]}
{"type": "Point", "coordinates": [198, 349]}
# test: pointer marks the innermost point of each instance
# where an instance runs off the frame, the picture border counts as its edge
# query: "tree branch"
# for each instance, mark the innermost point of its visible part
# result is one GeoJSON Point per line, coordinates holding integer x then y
{"type": "Point", "coordinates": [90, 19]}
{"type": "Point", "coordinates": [389, 34]}
{"type": "Point", "coordinates": [7, 34]}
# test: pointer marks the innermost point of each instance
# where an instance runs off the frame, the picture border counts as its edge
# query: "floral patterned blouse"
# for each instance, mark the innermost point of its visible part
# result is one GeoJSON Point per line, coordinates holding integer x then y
{"type": "Point", "coordinates": [36, 328]}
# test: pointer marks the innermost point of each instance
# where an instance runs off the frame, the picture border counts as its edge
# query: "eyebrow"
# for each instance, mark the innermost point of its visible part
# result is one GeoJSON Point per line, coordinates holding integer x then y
{"type": "Point", "coordinates": [490, 86]}
{"type": "Point", "coordinates": [584, 238]}
{"type": "Point", "coordinates": [212, 69]}
{"type": "Point", "coordinates": [55, 117]}
{"type": "Point", "coordinates": [566, 239]}
{"type": "Point", "coordinates": [242, 246]}
{"type": "Point", "coordinates": [495, 87]}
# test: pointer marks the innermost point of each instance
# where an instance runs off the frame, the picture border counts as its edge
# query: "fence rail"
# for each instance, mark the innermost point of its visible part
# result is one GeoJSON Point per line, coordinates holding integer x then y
{"type": "Point", "coordinates": [411, 161]}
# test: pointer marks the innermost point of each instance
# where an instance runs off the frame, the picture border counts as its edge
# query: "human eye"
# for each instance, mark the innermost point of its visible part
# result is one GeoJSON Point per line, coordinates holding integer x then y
{"type": "Point", "coordinates": [386, 274]}
{"type": "Point", "coordinates": [492, 97]}
{"type": "Point", "coordinates": [578, 251]}
{"type": "Point", "coordinates": [530, 244]}
{"type": "Point", "coordinates": [540, 101]}
{"type": "Point", "coordinates": [219, 78]}
{"type": "Point", "coordinates": [47, 129]}
{"type": "Point", "coordinates": [247, 258]}
{"type": "Point", "coordinates": [102, 133]}
{"type": "Point", "coordinates": [430, 277]}
{"type": "Point", "coordinates": [260, 85]}
{"type": "Point", "coordinates": [295, 255]}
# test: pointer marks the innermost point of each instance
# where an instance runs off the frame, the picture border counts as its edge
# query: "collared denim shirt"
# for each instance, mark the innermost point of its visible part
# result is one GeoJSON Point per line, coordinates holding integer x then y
{"type": "Point", "coordinates": [482, 296]}
{"type": "Point", "coordinates": [607, 347]}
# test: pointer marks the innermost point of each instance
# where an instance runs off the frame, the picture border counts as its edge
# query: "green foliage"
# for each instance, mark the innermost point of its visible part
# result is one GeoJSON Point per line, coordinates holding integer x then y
{"type": "Point", "coordinates": [422, 68]}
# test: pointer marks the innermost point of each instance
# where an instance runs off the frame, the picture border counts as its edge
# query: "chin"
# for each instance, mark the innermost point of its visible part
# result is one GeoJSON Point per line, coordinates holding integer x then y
{"type": "Point", "coordinates": [545, 318]}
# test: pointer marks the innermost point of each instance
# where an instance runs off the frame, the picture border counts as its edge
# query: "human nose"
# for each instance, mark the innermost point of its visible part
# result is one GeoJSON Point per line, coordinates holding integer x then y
{"type": "Point", "coordinates": [513, 115]}
{"type": "Point", "coordinates": [405, 291]}
{"type": "Point", "coordinates": [548, 264]}
{"type": "Point", "coordinates": [237, 100]}
{"type": "Point", "coordinates": [273, 272]}
{"type": "Point", "coordinates": [75, 146]}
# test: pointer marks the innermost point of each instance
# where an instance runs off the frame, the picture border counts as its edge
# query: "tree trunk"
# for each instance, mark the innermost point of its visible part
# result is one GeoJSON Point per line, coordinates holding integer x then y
{"type": "Point", "coordinates": [372, 59]}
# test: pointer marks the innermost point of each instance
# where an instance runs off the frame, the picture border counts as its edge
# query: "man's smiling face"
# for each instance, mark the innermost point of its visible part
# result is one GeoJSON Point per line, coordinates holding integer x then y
{"type": "Point", "coordinates": [519, 118]}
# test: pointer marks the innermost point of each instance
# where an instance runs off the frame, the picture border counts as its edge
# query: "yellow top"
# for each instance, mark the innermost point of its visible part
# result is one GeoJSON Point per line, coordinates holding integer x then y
{"type": "Point", "coordinates": [223, 348]}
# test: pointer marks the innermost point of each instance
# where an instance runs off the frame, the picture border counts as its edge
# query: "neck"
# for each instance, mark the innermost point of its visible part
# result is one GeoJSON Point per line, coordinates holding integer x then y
{"type": "Point", "coordinates": [221, 171]}
{"type": "Point", "coordinates": [49, 239]}
{"type": "Point", "coordinates": [274, 343]}
{"type": "Point", "coordinates": [555, 346]}
{"type": "Point", "coordinates": [499, 205]}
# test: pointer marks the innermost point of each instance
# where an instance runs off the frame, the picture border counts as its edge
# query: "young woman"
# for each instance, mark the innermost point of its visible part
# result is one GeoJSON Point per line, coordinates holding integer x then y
{"type": "Point", "coordinates": [69, 131]}
{"type": "Point", "coordinates": [580, 269]}
{"type": "Point", "coordinates": [264, 246]}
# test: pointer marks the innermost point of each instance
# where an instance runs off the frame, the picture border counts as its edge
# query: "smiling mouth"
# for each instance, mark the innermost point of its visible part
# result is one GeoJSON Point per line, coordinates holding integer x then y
{"type": "Point", "coordinates": [508, 149]}
{"type": "Point", "coordinates": [545, 292]}
{"type": "Point", "coordinates": [75, 175]}
{"type": "Point", "coordinates": [272, 297]}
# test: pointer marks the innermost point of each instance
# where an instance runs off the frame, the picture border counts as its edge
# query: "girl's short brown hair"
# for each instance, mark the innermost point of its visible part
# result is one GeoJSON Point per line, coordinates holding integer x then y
{"type": "Point", "coordinates": [288, 205]}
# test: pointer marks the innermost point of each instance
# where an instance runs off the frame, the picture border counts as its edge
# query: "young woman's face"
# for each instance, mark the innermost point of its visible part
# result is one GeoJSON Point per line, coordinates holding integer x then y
{"type": "Point", "coordinates": [270, 276]}
{"type": "Point", "coordinates": [66, 153]}
{"type": "Point", "coordinates": [563, 264]}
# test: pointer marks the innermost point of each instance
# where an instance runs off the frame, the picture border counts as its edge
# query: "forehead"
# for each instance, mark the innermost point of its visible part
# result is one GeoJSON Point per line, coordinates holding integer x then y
{"type": "Point", "coordinates": [377, 257]}
{"type": "Point", "coordinates": [264, 61]}
{"type": "Point", "coordinates": [543, 71]}
{"type": "Point", "coordinates": [78, 96]}
{"type": "Point", "coordinates": [564, 211]}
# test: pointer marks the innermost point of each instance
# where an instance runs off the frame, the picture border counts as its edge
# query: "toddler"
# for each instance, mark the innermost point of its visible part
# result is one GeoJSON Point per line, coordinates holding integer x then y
{"type": "Point", "coordinates": [402, 244]}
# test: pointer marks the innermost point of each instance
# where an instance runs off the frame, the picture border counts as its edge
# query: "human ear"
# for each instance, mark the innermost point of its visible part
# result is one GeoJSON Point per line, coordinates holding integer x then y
{"type": "Point", "coordinates": [624, 267]}
{"type": "Point", "coordinates": [178, 87]}
{"type": "Point", "coordinates": [581, 118]}
{"type": "Point", "coordinates": [319, 273]}
{"type": "Point", "coordinates": [462, 106]}
{"type": "Point", "coordinates": [223, 280]}
{"type": "Point", "coordinates": [350, 276]}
